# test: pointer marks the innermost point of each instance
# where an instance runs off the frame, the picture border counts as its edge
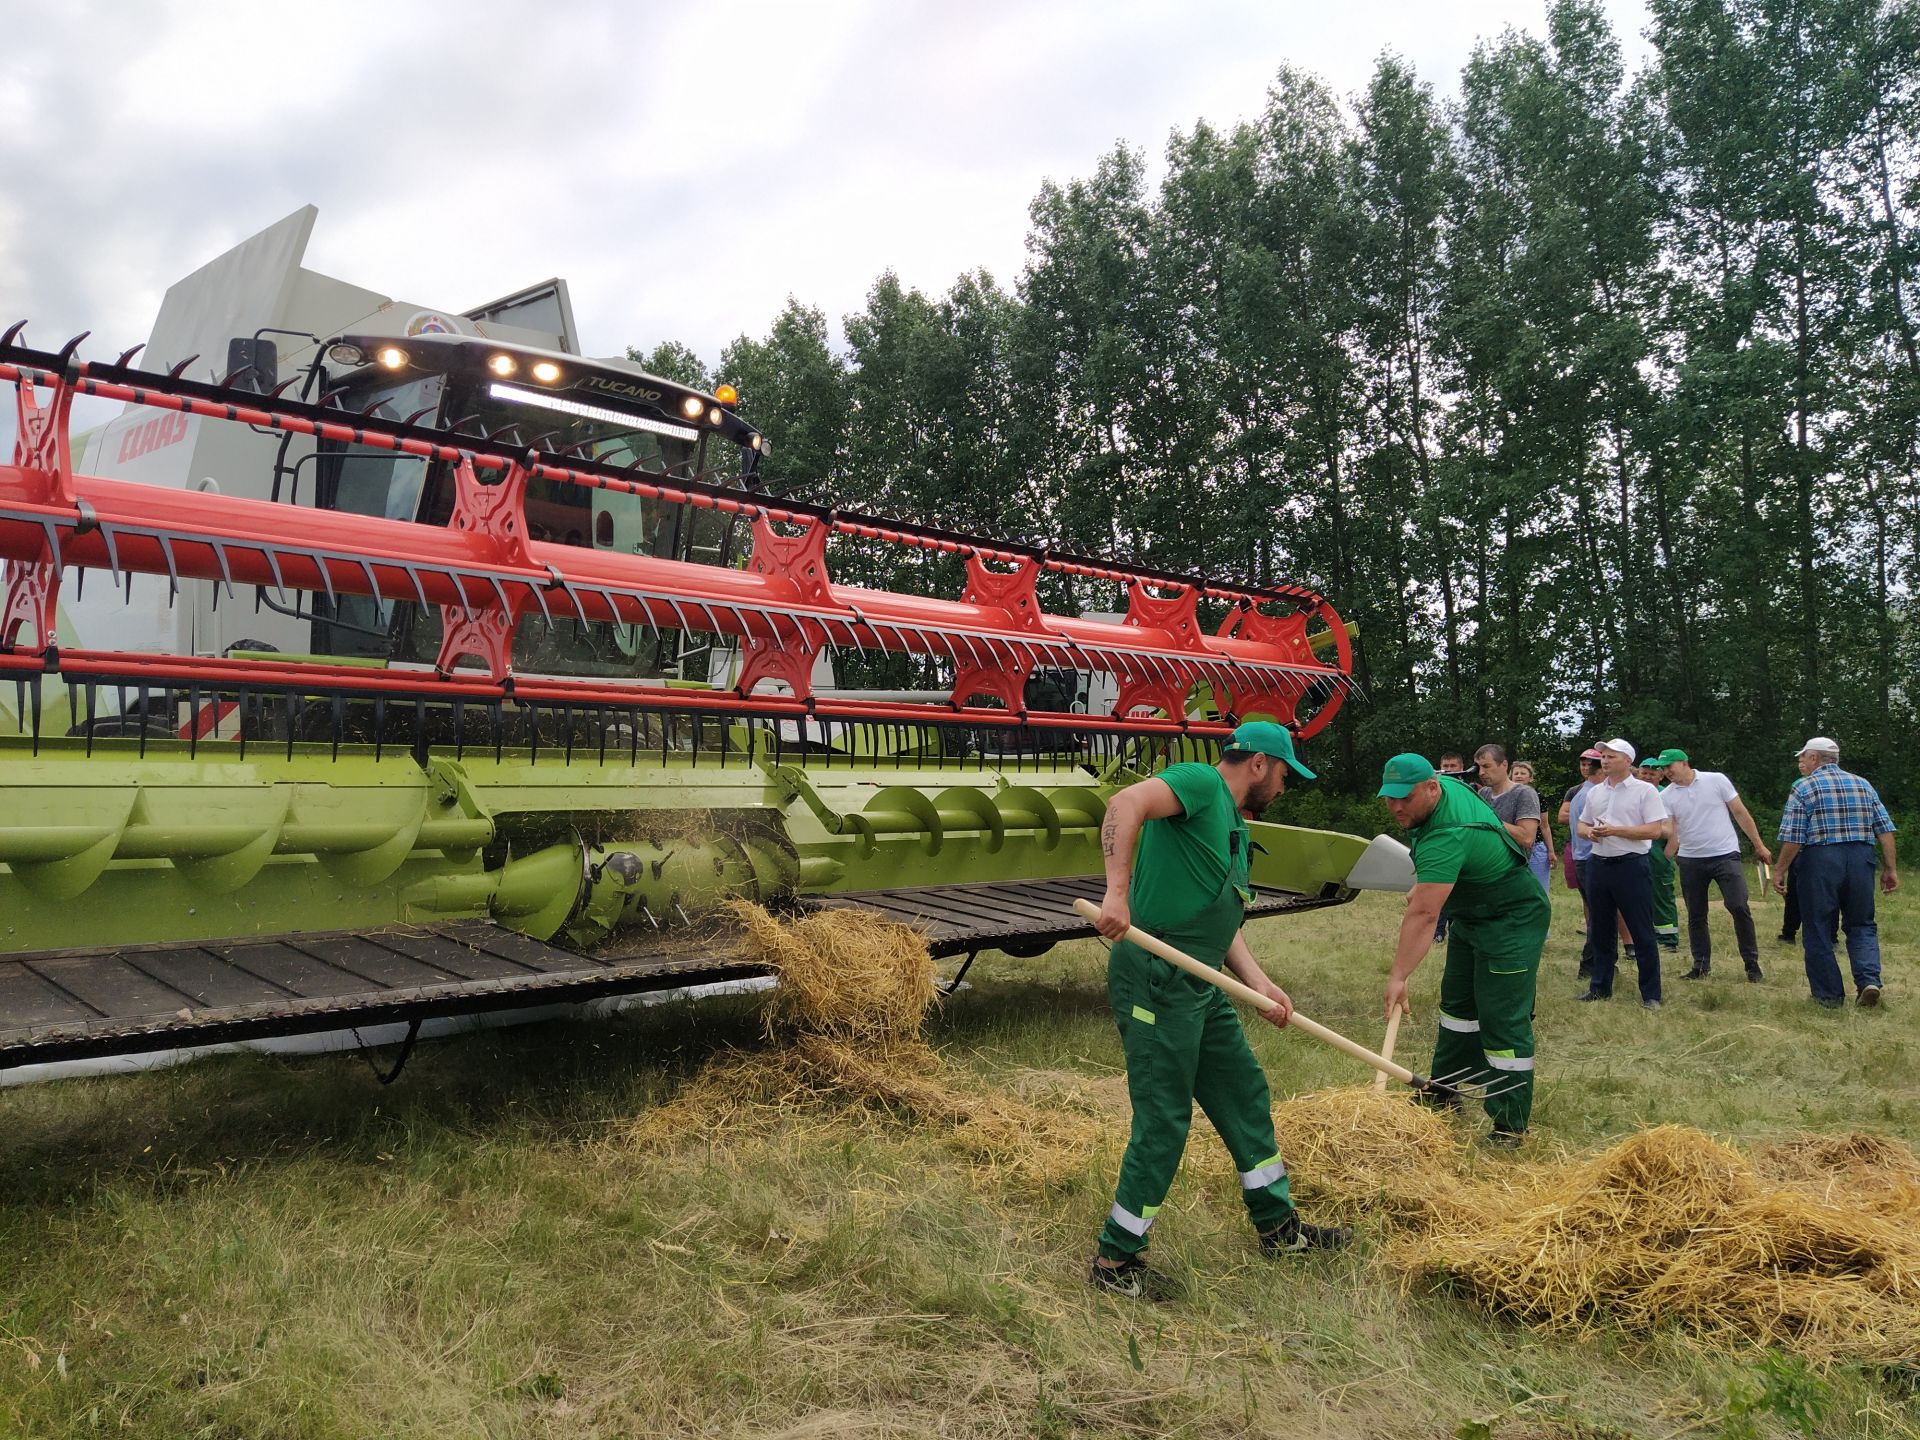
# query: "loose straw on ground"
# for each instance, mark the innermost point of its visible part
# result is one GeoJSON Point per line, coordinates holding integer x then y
{"type": "Point", "coordinates": [1813, 1243]}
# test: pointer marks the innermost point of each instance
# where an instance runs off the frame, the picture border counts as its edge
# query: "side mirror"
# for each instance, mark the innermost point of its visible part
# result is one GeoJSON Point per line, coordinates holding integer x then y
{"type": "Point", "coordinates": [257, 362]}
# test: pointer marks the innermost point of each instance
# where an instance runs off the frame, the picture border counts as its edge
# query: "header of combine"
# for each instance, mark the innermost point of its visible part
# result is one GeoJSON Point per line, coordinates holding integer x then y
{"type": "Point", "coordinates": [288, 655]}
{"type": "Point", "coordinates": [480, 569]}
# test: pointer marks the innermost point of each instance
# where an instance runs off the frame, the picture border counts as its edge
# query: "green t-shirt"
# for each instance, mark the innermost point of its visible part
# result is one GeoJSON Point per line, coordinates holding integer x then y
{"type": "Point", "coordinates": [1183, 861]}
{"type": "Point", "coordinates": [1463, 844]}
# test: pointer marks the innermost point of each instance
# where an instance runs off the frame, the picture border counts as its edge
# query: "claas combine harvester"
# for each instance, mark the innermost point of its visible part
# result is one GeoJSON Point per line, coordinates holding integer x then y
{"type": "Point", "coordinates": [411, 665]}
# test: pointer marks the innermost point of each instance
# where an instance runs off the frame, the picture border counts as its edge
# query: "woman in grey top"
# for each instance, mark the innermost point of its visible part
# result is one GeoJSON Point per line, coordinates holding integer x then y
{"type": "Point", "coordinates": [1540, 858]}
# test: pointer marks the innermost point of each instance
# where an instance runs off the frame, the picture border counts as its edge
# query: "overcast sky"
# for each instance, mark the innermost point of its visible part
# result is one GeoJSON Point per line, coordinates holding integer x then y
{"type": "Point", "coordinates": [686, 168]}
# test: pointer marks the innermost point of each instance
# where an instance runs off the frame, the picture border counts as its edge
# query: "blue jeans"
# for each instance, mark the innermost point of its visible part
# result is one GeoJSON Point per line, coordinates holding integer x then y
{"type": "Point", "coordinates": [1836, 882]}
{"type": "Point", "coordinates": [1540, 862]}
{"type": "Point", "coordinates": [1622, 886]}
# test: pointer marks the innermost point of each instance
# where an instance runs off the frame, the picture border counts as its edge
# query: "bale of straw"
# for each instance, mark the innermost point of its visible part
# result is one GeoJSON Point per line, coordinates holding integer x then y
{"type": "Point", "coordinates": [1673, 1227]}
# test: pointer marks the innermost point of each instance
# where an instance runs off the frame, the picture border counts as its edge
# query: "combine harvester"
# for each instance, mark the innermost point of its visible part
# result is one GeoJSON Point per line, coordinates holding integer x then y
{"type": "Point", "coordinates": [412, 666]}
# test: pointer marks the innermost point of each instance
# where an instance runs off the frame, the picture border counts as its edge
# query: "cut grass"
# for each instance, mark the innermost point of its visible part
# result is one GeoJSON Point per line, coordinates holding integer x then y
{"type": "Point", "coordinates": [271, 1247]}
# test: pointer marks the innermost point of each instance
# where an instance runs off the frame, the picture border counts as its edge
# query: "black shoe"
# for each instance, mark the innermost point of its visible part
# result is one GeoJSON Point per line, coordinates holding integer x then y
{"type": "Point", "coordinates": [1869, 996]}
{"type": "Point", "coordinates": [1134, 1280]}
{"type": "Point", "coordinates": [1633, 951]}
{"type": "Point", "coordinates": [1592, 995]}
{"type": "Point", "coordinates": [1785, 939]}
{"type": "Point", "coordinates": [1498, 1139]}
{"type": "Point", "coordinates": [1830, 1002]}
{"type": "Point", "coordinates": [1755, 974]}
{"type": "Point", "coordinates": [1586, 971]}
{"type": "Point", "coordinates": [1294, 1236]}
{"type": "Point", "coordinates": [1698, 972]}
{"type": "Point", "coordinates": [1673, 945]}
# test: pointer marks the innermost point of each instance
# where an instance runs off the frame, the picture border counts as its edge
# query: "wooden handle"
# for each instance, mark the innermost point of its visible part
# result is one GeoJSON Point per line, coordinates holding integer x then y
{"type": "Point", "coordinates": [1153, 945]}
{"type": "Point", "coordinates": [1386, 1050]}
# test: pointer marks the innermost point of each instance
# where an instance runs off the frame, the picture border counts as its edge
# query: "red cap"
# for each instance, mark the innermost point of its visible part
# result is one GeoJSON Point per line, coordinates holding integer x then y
{"type": "Point", "coordinates": [1593, 752]}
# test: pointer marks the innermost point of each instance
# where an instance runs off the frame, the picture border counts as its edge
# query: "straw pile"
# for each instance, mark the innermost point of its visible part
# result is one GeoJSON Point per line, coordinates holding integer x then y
{"type": "Point", "coordinates": [1369, 1150]}
{"type": "Point", "coordinates": [1673, 1227]}
{"type": "Point", "coordinates": [845, 1023]}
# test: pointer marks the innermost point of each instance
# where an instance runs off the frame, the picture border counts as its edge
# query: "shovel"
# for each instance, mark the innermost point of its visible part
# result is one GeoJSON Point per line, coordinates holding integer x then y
{"type": "Point", "coordinates": [1449, 1087]}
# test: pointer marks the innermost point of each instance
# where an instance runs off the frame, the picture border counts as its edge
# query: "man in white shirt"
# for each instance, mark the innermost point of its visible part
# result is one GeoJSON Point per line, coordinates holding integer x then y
{"type": "Point", "coordinates": [1623, 817]}
{"type": "Point", "coordinates": [1705, 807]}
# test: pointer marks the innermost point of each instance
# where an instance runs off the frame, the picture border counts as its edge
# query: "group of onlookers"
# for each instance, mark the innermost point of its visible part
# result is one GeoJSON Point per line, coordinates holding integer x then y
{"type": "Point", "coordinates": [1633, 826]}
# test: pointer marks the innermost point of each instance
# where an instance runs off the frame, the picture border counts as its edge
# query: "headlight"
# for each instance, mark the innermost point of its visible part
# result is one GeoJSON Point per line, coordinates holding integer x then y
{"type": "Point", "coordinates": [393, 357]}
{"type": "Point", "coordinates": [546, 371]}
{"type": "Point", "coordinates": [502, 365]}
{"type": "Point", "coordinates": [692, 406]}
{"type": "Point", "coordinates": [346, 354]}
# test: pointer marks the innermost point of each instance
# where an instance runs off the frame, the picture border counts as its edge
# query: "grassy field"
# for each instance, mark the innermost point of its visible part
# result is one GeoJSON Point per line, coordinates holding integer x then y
{"type": "Point", "coordinates": [258, 1248]}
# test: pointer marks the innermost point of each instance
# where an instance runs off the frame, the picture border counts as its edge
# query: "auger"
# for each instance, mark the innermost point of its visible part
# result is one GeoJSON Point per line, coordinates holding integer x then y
{"type": "Point", "coordinates": [493, 774]}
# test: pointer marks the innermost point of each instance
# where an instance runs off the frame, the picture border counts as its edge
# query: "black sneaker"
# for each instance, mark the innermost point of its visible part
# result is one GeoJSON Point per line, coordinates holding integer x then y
{"type": "Point", "coordinates": [1294, 1236]}
{"type": "Point", "coordinates": [1498, 1139]}
{"type": "Point", "coordinates": [1592, 995]}
{"type": "Point", "coordinates": [1755, 974]}
{"type": "Point", "coordinates": [1698, 972]}
{"type": "Point", "coordinates": [1133, 1280]}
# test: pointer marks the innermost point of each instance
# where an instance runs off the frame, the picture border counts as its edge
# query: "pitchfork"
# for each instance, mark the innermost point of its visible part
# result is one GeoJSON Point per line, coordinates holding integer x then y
{"type": "Point", "coordinates": [1454, 1089]}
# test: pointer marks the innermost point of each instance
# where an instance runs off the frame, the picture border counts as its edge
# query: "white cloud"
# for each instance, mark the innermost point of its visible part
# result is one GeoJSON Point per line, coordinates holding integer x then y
{"type": "Point", "coordinates": [686, 168]}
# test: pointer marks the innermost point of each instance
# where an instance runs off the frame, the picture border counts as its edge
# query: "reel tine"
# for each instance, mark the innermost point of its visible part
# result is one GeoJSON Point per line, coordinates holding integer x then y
{"type": "Point", "coordinates": [14, 331]}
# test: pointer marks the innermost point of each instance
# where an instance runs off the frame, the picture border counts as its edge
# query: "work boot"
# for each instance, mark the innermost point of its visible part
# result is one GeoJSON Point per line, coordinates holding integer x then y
{"type": "Point", "coordinates": [1294, 1236]}
{"type": "Point", "coordinates": [1869, 996]}
{"type": "Point", "coordinates": [1499, 1139]}
{"type": "Point", "coordinates": [1755, 974]}
{"type": "Point", "coordinates": [1133, 1279]}
{"type": "Point", "coordinates": [1699, 971]}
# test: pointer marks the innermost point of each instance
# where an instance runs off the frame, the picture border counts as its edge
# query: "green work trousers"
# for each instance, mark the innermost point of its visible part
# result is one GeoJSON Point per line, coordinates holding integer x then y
{"type": "Point", "coordinates": [1184, 1044]}
{"type": "Point", "coordinates": [1666, 916]}
{"type": "Point", "coordinates": [1486, 1009]}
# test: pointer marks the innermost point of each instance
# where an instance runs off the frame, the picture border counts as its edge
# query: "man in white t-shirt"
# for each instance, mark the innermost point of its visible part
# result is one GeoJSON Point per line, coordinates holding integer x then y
{"type": "Point", "coordinates": [1623, 817]}
{"type": "Point", "coordinates": [1705, 808]}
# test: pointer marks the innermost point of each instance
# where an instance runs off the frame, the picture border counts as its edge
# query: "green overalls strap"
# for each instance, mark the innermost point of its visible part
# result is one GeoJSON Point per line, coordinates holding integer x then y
{"type": "Point", "coordinates": [1182, 1039]}
{"type": "Point", "coordinates": [1498, 927]}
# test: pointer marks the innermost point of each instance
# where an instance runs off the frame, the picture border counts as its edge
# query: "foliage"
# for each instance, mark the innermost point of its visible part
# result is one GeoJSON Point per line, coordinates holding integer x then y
{"type": "Point", "coordinates": [1593, 398]}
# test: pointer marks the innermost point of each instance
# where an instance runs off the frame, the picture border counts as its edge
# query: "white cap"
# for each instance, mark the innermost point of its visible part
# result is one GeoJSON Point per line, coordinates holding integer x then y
{"type": "Point", "coordinates": [1619, 747]}
{"type": "Point", "coordinates": [1822, 744]}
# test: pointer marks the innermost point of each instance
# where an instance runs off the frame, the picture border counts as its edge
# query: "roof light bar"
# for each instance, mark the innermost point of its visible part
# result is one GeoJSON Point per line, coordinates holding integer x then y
{"type": "Point", "coordinates": [517, 396]}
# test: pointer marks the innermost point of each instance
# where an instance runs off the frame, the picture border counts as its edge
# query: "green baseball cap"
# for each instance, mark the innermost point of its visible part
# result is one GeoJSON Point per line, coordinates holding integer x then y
{"type": "Point", "coordinates": [1403, 772]}
{"type": "Point", "coordinates": [1263, 737]}
{"type": "Point", "coordinates": [1667, 757]}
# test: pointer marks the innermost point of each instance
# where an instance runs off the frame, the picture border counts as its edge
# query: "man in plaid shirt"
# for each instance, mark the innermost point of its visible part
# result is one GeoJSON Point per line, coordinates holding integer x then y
{"type": "Point", "coordinates": [1828, 831]}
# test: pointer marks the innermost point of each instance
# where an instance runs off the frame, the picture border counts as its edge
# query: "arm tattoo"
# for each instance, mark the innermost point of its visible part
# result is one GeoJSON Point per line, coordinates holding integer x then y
{"type": "Point", "coordinates": [1109, 836]}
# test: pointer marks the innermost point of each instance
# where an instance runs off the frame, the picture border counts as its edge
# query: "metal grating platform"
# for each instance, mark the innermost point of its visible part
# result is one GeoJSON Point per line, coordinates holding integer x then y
{"type": "Point", "coordinates": [75, 1004]}
{"type": "Point", "coordinates": [1030, 914]}
{"type": "Point", "coordinates": [78, 1004]}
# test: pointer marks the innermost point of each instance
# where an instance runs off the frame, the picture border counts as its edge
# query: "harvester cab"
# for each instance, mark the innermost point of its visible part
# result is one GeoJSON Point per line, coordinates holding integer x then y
{"type": "Point", "coordinates": [417, 667]}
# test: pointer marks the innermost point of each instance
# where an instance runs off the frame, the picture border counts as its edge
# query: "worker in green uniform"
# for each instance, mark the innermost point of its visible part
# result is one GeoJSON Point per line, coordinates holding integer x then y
{"type": "Point", "coordinates": [1183, 1041]}
{"type": "Point", "coordinates": [1660, 867]}
{"type": "Point", "coordinates": [1465, 859]}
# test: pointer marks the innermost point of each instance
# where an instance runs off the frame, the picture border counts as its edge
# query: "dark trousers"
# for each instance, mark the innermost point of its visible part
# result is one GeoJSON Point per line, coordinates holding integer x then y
{"type": "Point", "coordinates": [1837, 883]}
{"type": "Point", "coordinates": [1726, 872]}
{"type": "Point", "coordinates": [1622, 886]}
